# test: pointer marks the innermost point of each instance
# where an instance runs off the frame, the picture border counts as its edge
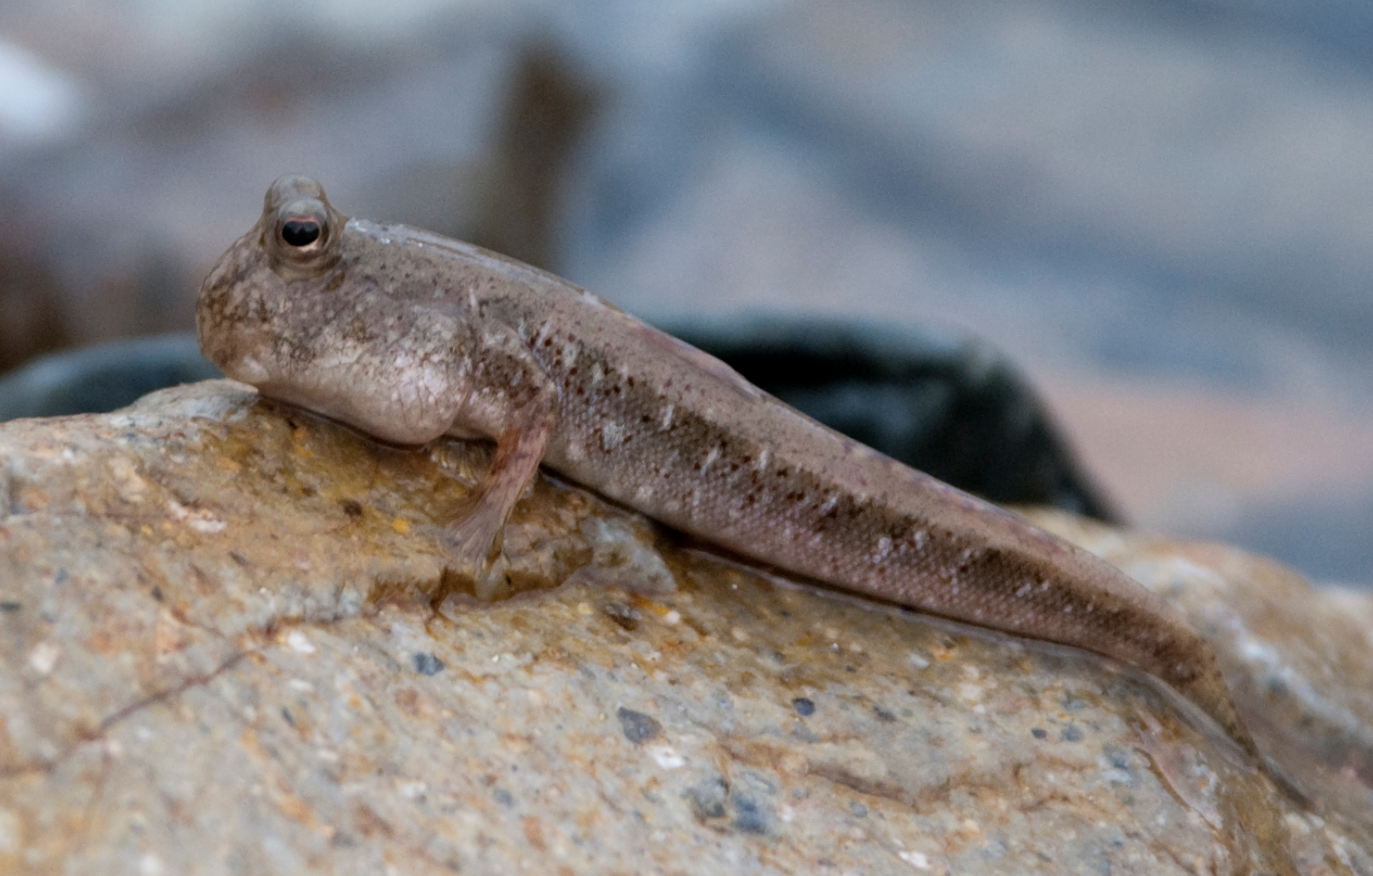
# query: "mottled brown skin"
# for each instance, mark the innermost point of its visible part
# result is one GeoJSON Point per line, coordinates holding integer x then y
{"type": "Point", "coordinates": [409, 336]}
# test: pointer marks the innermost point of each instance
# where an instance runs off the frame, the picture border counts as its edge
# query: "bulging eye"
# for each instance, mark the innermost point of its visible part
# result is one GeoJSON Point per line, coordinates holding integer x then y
{"type": "Point", "coordinates": [300, 231]}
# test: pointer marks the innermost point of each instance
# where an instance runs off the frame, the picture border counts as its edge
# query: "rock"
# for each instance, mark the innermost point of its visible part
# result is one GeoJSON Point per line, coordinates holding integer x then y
{"type": "Point", "coordinates": [220, 653]}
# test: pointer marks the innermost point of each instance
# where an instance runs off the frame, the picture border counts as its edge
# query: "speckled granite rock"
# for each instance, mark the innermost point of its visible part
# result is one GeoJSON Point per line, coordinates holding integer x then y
{"type": "Point", "coordinates": [217, 655]}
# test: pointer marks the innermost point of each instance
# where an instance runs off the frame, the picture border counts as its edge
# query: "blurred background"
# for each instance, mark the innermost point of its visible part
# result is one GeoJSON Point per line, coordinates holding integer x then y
{"type": "Point", "coordinates": [1162, 211]}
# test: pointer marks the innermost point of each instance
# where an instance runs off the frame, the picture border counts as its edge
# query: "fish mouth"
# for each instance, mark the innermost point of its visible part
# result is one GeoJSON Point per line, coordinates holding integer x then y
{"type": "Point", "coordinates": [246, 369]}
{"type": "Point", "coordinates": [242, 353]}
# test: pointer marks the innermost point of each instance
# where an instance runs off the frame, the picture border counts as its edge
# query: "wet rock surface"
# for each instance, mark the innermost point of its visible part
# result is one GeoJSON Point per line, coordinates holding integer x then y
{"type": "Point", "coordinates": [220, 653]}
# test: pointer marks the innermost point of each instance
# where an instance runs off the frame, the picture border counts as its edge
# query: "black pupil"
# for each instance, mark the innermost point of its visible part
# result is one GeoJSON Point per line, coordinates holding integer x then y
{"type": "Point", "coordinates": [300, 232]}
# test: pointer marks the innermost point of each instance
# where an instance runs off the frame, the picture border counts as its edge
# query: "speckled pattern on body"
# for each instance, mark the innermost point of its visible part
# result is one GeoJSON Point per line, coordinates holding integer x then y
{"type": "Point", "coordinates": [409, 336]}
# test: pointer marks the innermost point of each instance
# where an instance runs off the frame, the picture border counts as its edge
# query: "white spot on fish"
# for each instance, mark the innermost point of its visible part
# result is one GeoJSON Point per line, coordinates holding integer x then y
{"type": "Point", "coordinates": [763, 458]}
{"type": "Point", "coordinates": [883, 549]}
{"type": "Point", "coordinates": [667, 418]}
{"type": "Point", "coordinates": [612, 435]}
{"type": "Point", "coordinates": [713, 455]}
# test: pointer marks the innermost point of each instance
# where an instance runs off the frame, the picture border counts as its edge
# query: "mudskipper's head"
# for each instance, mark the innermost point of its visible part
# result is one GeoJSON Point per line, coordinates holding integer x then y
{"type": "Point", "coordinates": [304, 307]}
{"type": "Point", "coordinates": [246, 309]}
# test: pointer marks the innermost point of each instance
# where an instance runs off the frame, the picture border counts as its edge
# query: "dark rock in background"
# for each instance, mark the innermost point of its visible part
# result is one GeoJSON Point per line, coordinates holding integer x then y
{"type": "Point", "coordinates": [102, 378]}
